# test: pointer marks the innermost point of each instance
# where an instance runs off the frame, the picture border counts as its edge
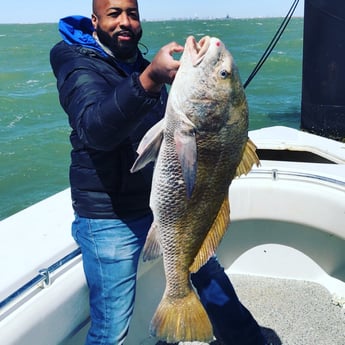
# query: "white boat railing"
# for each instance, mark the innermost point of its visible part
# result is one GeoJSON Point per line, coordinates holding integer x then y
{"type": "Point", "coordinates": [275, 174]}
{"type": "Point", "coordinates": [41, 281]}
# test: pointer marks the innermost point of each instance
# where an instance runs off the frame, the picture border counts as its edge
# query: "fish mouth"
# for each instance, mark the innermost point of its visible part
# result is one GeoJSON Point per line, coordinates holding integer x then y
{"type": "Point", "coordinates": [199, 49]}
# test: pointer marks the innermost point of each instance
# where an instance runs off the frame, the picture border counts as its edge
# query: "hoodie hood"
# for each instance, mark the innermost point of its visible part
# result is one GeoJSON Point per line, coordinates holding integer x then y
{"type": "Point", "coordinates": [77, 30]}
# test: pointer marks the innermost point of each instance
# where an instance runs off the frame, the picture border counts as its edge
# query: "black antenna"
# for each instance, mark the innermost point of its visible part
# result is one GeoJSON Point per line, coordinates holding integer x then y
{"type": "Point", "coordinates": [273, 43]}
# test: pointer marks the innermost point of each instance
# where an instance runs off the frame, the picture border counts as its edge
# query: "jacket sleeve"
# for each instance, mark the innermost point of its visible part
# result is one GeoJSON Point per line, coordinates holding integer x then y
{"type": "Point", "coordinates": [103, 109]}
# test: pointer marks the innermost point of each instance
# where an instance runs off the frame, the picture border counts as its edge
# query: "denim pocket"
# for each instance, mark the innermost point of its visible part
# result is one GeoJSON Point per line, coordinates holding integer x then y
{"type": "Point", "coordinates": [75, 228]}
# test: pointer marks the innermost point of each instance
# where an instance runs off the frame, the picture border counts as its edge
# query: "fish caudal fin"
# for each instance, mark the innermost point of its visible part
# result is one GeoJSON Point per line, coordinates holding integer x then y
{"type": "Point", "coordinates": [213, 237]}
{"type": "Point", "coordinates": [184, 319]}
{"type": "Point", "coordinates": [249, 158]}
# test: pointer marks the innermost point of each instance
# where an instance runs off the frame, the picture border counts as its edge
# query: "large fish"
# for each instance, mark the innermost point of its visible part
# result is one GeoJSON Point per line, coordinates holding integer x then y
{"type": "Point", "coordinates": [200, 146]}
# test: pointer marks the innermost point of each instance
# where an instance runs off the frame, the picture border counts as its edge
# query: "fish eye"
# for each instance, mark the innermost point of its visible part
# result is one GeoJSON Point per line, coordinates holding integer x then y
{"type": "Point", "coordinates": [224, 73]}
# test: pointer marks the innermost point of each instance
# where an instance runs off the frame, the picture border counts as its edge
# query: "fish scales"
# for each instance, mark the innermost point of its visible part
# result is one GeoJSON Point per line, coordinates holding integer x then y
{"type": "Point", "coordinates": [202, 145]}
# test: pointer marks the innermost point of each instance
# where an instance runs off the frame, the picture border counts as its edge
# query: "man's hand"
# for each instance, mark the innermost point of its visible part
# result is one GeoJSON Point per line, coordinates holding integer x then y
{"type": "Point", "coordinates": [162, 69]}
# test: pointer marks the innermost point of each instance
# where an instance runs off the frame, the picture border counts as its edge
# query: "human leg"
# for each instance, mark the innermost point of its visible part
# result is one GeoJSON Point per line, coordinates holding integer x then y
{"type": "Point", "coordinates": [110, 250]}
{"type": "Point", "coordinates": [232, 322]}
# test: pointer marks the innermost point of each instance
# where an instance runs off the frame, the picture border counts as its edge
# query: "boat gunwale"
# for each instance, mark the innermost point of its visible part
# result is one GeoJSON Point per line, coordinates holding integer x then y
{"type": "Point", "coordinates": [41, 281]}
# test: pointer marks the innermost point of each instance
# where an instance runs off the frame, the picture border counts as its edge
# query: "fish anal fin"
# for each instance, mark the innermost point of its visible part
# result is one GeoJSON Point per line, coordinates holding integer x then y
{"type": "Point", "coordinates": [213, 237]}
{"type": "Point", "coordinates": [249, 158]}
{"type": "Point", "coordinates": [149, 146]}
{"type": "Point", "coordinates": [152, 248]}
{"type": "Point", "coordinates": [181, 320]}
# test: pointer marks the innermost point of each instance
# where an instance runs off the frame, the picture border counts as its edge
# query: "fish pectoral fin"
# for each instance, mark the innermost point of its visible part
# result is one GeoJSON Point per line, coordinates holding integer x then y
{"type": "Point", "coordinates": [152, 248]}
{"type": "Point", "coordinates": [149, 146]}
{"type": "Point", "coordinates": [186, 149]}
{"type": "Point", "coordinates": [213, 237]}
{"type": "Point", "coordinates": [249, 158]}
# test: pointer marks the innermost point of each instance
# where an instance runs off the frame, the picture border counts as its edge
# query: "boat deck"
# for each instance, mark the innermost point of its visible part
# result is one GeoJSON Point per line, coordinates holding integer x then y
{"type": "Point", "coordinates": [290, 312]}
{"type": "Point", "coordinates": [293, 312]}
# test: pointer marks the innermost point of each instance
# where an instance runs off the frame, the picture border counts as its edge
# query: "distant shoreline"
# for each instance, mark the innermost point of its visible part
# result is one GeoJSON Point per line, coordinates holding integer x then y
{"type": "Point", "coordinates": [166, 20]}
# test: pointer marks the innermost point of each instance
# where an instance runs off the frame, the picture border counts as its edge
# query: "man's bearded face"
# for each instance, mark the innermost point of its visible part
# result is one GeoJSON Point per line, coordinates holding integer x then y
{"type": "Point", "coordinates": [123, 49]}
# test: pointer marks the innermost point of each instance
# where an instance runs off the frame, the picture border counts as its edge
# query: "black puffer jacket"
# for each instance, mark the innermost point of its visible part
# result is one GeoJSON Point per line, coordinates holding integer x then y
{"type": "Point", "coordinates": [109, 112]}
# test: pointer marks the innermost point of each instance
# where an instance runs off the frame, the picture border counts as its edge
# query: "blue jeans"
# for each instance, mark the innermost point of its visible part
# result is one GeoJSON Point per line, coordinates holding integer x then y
{"type": "Point", "coordinates": [110, 250]}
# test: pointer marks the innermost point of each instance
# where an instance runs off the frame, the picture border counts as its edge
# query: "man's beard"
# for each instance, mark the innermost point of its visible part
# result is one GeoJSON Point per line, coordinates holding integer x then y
{"type": "Point", "coordinates": [122, 50]}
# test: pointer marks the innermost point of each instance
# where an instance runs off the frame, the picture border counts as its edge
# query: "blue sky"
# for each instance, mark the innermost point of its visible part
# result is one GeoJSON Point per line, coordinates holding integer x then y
{"type": "Point", "coordinates": [37, 11]}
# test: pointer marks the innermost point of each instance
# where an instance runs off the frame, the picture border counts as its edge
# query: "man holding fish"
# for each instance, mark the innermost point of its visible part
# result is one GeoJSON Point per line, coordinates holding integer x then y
{"type": "Point", "coordinates": [113, 96]}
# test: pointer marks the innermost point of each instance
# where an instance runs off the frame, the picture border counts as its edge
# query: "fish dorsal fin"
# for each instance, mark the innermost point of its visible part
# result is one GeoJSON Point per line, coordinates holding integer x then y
{"type": "Point", "coordinates": [152, 248]}
{"type": "Point", "coordinates": [149, 146]}
{"type": "Point", "coordinates": [186, 149]}
{"type": "Point", "coordinates": [213, 237]}
{"type": "Point", "coordinates": [249, 158]}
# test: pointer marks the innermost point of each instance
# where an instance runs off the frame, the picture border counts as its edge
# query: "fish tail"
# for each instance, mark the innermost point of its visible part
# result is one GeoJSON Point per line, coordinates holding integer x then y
{"type": "Point", "coordinates": [183, 319]}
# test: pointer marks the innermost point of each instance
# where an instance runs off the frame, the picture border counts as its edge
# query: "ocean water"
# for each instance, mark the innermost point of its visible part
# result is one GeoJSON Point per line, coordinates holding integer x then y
{"type": "Point", "coordinates": [34, 143]}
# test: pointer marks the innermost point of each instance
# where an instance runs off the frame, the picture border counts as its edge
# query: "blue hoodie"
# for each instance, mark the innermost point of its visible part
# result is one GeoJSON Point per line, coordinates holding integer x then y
{"type": "Point", "coordinates": [78, 30]}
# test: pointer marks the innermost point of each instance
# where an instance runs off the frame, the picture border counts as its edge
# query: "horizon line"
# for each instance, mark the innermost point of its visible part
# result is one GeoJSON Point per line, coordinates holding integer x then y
{"type": "Point", "coordinates": [165, 20]}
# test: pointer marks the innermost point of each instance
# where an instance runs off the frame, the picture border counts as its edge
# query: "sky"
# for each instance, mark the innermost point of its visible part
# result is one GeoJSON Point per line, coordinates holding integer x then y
{"type": "Point", "coordinates": [50, 11]}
